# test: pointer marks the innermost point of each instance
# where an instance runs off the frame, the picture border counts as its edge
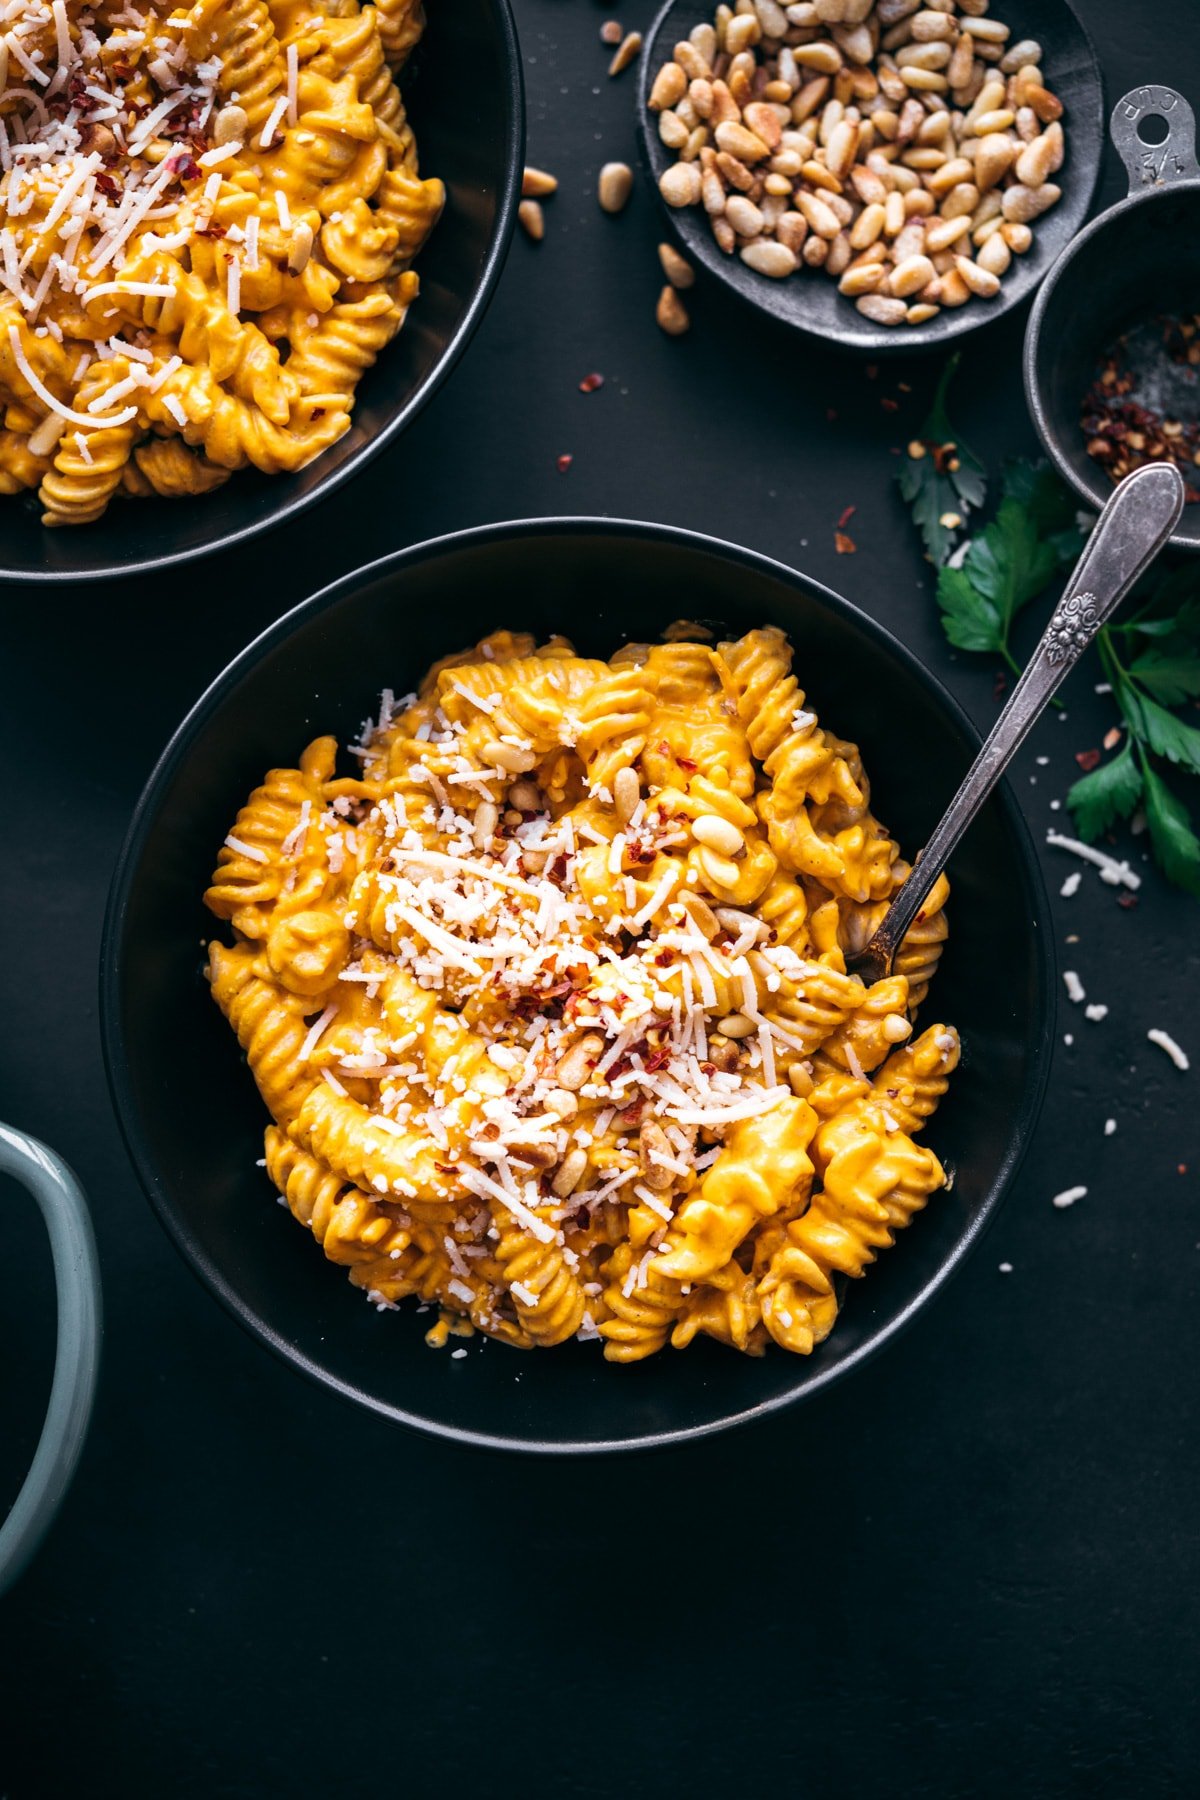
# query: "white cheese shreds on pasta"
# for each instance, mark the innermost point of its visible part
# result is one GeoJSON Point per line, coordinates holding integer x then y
{"type": "Point", "coordinates": [520, 1030]}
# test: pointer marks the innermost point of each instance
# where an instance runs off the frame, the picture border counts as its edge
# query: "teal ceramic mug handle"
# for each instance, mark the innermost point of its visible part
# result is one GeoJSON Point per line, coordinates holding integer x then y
{"type": "Point", "coordinates": [77, 1358]}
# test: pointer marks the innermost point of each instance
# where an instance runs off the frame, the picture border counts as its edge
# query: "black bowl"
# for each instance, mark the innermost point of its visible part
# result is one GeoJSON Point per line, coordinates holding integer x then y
{"type": "Point", "coordinates": [809, 301]}
{"type": "Point", "coordinates": [465, 98]}
{"type": "Point", "coordinates": [1139, 259]}
{"type": "Point", "coordinates": [193, 1121]}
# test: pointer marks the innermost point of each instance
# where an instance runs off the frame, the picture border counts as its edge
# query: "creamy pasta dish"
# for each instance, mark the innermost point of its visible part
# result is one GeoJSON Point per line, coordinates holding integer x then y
{"type": "Point", "coordinates": [548, 999]}
{"type": "Point", "coordinates": [207, 217]}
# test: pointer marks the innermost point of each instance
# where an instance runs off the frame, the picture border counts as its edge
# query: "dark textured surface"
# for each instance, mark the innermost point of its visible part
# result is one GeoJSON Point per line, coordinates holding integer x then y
{"type": "Point", "coordinates": [969, 1570]}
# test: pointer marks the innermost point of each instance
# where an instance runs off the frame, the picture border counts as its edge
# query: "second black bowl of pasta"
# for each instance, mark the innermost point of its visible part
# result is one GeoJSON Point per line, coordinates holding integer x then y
{"type": "Point", "coordinates": [542, 982]}
{"type": "Point", "coordinates": [253, 241]}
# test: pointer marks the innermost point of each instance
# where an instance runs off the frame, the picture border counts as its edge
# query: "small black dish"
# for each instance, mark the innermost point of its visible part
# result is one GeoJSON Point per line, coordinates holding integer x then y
{"type": "Point", "coordinates": [465, 98]}
{"type": "Point", "coordinates": [193, 1122]}
{"type": "Point", "coordinates": [1140, 258]}
{"type": "Point", "coordinates": [808, 300]}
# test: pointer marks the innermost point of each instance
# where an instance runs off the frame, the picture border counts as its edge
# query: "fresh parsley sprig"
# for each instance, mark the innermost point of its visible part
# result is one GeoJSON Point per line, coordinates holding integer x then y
{"type": "Point", "coordinates": [1031, 540]}
{"type": "Point", "coordinates": [941, 478]}
{"type": "Point", "coordinates": [1152, 661]}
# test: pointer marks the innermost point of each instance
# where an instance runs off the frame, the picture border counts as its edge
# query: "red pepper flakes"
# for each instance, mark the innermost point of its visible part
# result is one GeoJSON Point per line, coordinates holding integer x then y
{"type": "Point", "coordinates": [847, 514]}
{"type": "Point", "coordinates": [888, 404]}
{"type": "Point", "coordinates": [1088, 759]}
{"type": "Point", "coordinates": [845, 546]}
{"type": "Point", "coordinates": [1128, 901]}
{"type": "Point", "coordinates": [1182, 1167]}
{"type": "Point", "coordinates": [563, 463]}
{"type": "Point", "coordinates": [871, 370]}
{"type": "Point", "coordinates": [590, 383]}
{"type": "Point", "coordinates": [999, 684]}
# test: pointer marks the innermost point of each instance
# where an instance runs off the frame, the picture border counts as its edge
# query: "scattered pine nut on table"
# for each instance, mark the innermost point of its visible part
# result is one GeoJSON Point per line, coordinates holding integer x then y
{"type": "Point", "coordinates": [906, 150]}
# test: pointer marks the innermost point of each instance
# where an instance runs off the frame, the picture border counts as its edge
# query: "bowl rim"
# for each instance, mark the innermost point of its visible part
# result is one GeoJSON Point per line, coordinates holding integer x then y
{"type": "Point", "coordinates": [1048, 430]}
{"type": "Point", "coordinates": [863, 338]}
{"type": "Point", "coordinates": [507, 200]}
{"type": "Point", "coordinates": [145, 814]}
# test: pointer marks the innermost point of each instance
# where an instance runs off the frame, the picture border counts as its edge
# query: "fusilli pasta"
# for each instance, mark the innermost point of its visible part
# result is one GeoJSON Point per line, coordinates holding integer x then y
{"type": "Point", "coordinates": [550, 1007]}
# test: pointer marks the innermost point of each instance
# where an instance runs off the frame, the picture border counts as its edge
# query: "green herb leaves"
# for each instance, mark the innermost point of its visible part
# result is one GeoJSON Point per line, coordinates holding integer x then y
{"type": "Point", "coordinates": [1109, 793]}
{"type": "Point", "coordinates": [1031, 539]}
{"type": "Point", "coordinates": [941, 478]}
{"type": "Point", "coordinates": [1152, 661]}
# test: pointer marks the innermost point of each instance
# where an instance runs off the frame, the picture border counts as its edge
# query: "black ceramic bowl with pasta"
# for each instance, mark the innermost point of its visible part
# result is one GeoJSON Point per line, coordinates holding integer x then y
{"type": "Point", "coordinates": [463, 92]}
{"type": "Point", "coordinates": [193, 1120]}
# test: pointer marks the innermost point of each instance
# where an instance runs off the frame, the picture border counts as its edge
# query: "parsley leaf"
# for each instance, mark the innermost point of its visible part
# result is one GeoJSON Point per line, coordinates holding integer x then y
{"type": "Point", "coordinates": [1176, 846]}
{"type": "Point", "coordinates": [1008, 564]}
{"type": "Point", "coordinates": [1109, 793]}
{"type": "Point", "coordinates": [1168, 736]}
{"type": "Point", "coordinates": [1171, 673]}
{"type": "Point", "coordinates": [947, 480]}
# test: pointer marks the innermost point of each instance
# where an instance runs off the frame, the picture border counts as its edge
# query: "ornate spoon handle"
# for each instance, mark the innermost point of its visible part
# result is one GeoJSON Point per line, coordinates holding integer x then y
{"type": "Point", "coordinates": [1135, 524]}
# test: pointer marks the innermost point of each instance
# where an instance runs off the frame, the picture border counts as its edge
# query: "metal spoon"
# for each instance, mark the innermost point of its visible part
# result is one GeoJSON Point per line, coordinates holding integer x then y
{"type": "Point", "coordinates": [1135, 524]}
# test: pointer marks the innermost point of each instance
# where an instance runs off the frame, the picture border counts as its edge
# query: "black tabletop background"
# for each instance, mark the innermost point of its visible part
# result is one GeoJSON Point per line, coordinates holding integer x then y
{"type": "Point", "coordinates": [972, 1568]}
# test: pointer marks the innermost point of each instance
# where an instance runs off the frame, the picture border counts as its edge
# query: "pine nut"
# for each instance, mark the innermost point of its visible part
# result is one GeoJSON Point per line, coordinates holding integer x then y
{"type": "Point", "coordinates": [800, 1080]}
{"type": "Point", "coordinates": [614, 186]}
{"type": "Point", "coordinates": [561, 1103]}
{"type": "Point", "coordinates": [573, 1069]}
{"type": "Point", "coordinates": [487, 817]}
{"type": "Point", "coordinates": [536, 184]}
{"type": "Point", "coordinates": [896, 1028]}
{"type": "Point", "coordinates": [1028, 52]}
{"type": "Point", "coordinates": [1001, 118]}
{"type": "Point", "coordinates": [1047, 106]}
{"type": "Point", "coordinates": [719, 834]}
{"type": "Point", "coordinates": [945, 232]}
{"type": "Point", "coordinates": [881, 310]}
{"type": "Point", "coordinates": [626, 52]}
{"type": "Point", "coordinates": [569, 1173]}
{"type": "Point", "coordinates": [700, 914]}
{"type": "Point", "coordinates": [718, 871]}
{"type": "Point", "coordinates": [1033, 164]}
{"type": "Point", "coordinates": [743, 215]}
{"type": "Point", "coordinates": [864, 279]}
{"type": "Point", "coordinates": [671, 130]}
{"type": "Point", "coordinates": [675, 267]}
{"type": "Point", "coordinates": [231, 125]}
{"type": "Point", "coordinates": [993, 158]}
{"type": "Point", "coordinates": [994, 255]}
{"type": "Point", "coordinates": [736, 1025]}
{"type": "Point", "coordinates": [986, 31]}
{"type": "Point", "coordinates": [910, 276]}
{"type": "Point", "coordinates": [977, 279]}
{"type": "Point", "coordinates": [670, 314]}
{"type": "Point", "coordinates": [654, 1143]}
{"type": "Point", "coordinates": [680, 184]}
{"type": "Point", "coordinates": [627, 794]}
{"type": "Point", "coordinates": [670, 85]}
{"type": "Point", "coordinates": [300, 247]}
{"type": "Point", "coordinates": [1024, 203]}
{"type": "Point", "coordinates": [512, 760]}
{"type": "Point", "coordinates": [961, 200]}
{"type": "Point", "coordinates": [735, 140]}
{"type": "Point", "coordinates": [825, 59]}
{"type": "Point", "coordinates": [867, 227]}
{"type": "Point", "coordinates": [526, 796]}
{"type": "Point", "coordinates": [767, 258]}
{"type": "Point", "coordinates": [763, 121]}
{"type": "Point", "coordinates": [921, 313]}
{"type": "Point", "coordinates": [1017, 236]}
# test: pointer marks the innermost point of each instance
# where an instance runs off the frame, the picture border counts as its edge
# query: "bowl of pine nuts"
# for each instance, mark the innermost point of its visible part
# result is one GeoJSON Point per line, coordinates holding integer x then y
{"type": "Point", "coordinates": [883, 174]}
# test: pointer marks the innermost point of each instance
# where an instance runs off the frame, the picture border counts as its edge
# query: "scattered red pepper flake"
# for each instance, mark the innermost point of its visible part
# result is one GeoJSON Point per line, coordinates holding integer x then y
{"type": "Point", "coordinates": [888, 404]}
{"type": "Point", "coordinates": [563, 463]}
{"type": "Point", "coordinates": [1088, 759]}
{"type": "Point", "coordinates": [1128, 901]}
{"type": "Point", "coordinates": [999, 684]}
{"type": "Point", "coordinates": [590, 383]}
{"type": "Point", "coordinates": [845, 546]}
{"type": "Point", "coordinates": [1182, 1168]}
{"type": "Point", "coordinates": [871, 370]}
{"type": "Point", "coordinates": [848, 513]}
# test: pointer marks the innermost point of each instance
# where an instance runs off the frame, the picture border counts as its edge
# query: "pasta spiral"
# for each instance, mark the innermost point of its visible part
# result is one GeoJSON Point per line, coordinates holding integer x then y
{"type": "Point", "coordinates": [557, 1034]}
